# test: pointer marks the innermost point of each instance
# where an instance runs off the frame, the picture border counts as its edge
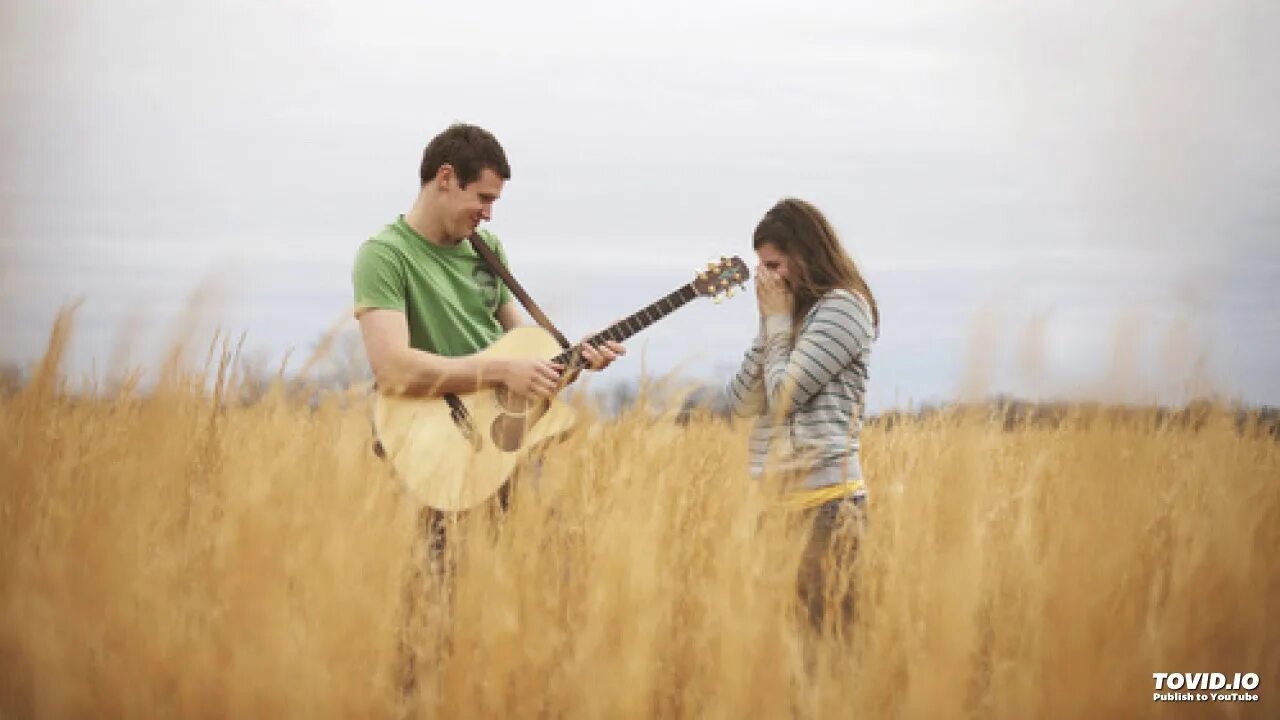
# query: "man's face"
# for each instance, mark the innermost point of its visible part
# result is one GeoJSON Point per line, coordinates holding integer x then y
{"type": "Point", "coordinates": [465, 208]}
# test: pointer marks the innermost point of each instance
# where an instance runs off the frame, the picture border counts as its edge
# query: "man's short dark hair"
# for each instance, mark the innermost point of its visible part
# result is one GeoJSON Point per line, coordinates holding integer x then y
{"type": "Point", "coordinates": [469, 149]}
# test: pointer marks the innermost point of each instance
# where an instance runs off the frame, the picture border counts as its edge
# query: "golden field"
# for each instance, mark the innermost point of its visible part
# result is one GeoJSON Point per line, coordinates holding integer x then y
{"type": "Point", "coordinates": [179, 553]}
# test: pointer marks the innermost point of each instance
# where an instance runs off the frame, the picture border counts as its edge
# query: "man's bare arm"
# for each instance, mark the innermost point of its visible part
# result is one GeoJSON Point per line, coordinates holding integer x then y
{"type": "Point", "coordinates": [399, 368]}
{"type": "Point", "coordinates": [509, 316]}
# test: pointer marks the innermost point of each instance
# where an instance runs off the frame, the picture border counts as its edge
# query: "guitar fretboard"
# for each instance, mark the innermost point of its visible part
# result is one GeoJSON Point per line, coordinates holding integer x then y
{"type": "Point", "coordinates": [634, 323]}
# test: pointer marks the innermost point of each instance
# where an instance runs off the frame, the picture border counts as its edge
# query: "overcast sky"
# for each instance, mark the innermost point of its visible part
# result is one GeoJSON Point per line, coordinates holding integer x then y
{"type": "Point", "coordinates": [1048, 198]}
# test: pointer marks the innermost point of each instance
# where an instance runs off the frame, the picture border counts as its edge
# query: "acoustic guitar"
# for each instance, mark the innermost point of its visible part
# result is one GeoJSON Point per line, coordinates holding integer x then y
{"type": "Point", "coordinates": [455, 452]}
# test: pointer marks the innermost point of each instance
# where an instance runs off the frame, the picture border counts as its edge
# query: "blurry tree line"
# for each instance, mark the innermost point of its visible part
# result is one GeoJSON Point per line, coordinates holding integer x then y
{"type": "Point", "coordinates": [336, 364]}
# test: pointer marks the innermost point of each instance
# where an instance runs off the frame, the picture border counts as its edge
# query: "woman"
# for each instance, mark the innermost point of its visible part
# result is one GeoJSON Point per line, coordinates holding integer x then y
{"type": "Point", "coordinates": [804, 380]}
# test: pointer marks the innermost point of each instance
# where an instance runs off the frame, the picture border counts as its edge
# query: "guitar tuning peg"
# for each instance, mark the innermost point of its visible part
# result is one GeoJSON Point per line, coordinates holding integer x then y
{"type": "Point", "coordinates": [718, 299]}
{"type": "Point", "coordinates": [728, 293]}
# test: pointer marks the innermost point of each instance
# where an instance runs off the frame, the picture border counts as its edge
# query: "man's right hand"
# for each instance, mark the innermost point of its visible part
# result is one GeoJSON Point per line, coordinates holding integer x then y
{"type": "Point", "coordinates": [530, 376]}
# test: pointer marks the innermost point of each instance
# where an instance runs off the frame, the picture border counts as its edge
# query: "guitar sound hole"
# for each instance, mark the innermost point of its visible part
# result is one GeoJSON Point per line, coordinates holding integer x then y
{"type": "Point", "coordinates": [507, 432]}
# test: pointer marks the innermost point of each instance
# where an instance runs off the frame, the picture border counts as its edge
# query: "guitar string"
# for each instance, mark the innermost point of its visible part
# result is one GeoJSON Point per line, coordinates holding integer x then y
{"type": "Point", "coordinates": [622, 330]}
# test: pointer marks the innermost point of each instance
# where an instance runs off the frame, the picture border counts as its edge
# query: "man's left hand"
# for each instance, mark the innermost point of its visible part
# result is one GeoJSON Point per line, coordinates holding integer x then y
{"type": "Point", "coordinates": [603, 355]}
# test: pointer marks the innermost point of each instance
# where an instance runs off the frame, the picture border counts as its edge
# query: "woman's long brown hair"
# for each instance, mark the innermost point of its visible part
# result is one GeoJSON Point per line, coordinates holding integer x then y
{"type": "Point", "coordinates": [817, 261]}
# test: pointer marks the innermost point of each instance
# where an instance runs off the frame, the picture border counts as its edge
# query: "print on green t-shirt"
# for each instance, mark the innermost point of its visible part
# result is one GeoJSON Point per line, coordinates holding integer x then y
{"type": "Point", "coordinates": [448, 294]}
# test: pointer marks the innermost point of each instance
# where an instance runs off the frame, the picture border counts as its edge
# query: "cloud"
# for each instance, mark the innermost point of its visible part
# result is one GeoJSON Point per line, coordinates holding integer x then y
{"type": "Point", "coordinates": [1079, 160]}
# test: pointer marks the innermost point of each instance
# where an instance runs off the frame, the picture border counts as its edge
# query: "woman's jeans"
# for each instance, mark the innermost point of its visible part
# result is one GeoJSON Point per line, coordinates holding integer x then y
{"type": "Point", "coordinates": [824, 582]}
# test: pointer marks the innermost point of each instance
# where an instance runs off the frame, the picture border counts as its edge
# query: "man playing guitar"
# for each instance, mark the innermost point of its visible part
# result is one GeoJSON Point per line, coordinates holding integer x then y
{"type": "Point", "coordinates": [428, 304]}
{"type": "Point", "coordinates": [426, 301]}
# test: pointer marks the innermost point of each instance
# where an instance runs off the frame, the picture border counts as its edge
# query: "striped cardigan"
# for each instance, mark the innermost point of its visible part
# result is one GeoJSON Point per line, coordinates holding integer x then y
{"type": "Point", "coordinates": [807, 396]}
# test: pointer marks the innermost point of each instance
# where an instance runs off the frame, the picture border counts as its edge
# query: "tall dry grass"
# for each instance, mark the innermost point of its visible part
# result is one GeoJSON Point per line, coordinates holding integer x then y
{"type": "Point", "coordinates": [179, 554]}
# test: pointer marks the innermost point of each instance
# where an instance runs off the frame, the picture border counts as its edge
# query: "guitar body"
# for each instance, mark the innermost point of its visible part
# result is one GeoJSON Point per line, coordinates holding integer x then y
{"type": "Point", "coordinates": [450, 465]}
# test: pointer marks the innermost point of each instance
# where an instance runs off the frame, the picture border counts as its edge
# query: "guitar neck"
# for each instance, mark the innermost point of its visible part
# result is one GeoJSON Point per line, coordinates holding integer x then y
{"type": "Point", "coordinates": [633, 323]}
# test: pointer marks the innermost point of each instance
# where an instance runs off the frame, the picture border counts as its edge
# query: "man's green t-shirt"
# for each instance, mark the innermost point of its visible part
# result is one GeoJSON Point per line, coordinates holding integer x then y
{"type": "Point", "coordinates": [448, 294]}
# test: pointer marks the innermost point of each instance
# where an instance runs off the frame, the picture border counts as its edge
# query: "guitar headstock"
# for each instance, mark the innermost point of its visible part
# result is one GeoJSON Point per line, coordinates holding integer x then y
{"type": "Point", "coordinates": [721, 277]}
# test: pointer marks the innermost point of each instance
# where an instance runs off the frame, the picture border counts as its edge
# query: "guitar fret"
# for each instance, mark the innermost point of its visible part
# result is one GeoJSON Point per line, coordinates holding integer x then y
{"type": "Point", "coordinates": [635, 322]}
